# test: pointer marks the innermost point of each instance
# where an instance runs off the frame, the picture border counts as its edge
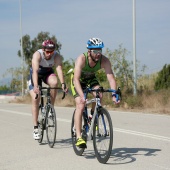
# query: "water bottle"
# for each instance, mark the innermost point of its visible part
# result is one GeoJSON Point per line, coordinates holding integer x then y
{"type": "Point", "coordinates": [43, 111]}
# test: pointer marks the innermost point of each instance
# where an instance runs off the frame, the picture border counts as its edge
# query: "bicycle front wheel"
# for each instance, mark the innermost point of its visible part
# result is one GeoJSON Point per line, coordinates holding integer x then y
{"type": "Point", "coordinates": [77, 150]}
{"type": "Point", "coordinates": [103, 136]}
{"type": "Point", "coordinates": [51, 126]}
{"type": "Point", "coordinates": [40, 125]}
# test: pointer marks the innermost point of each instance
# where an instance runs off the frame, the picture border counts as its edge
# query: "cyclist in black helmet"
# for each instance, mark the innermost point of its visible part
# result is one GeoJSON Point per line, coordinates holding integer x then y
{"type": "Point", "coordinates": [86, 65]}
{"type": "Point", "coordinates": [42, 62]}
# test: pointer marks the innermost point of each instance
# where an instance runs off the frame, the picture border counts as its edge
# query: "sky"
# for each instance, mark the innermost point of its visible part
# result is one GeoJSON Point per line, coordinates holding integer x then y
{"type": "Point", "coordinates": [73, 22]}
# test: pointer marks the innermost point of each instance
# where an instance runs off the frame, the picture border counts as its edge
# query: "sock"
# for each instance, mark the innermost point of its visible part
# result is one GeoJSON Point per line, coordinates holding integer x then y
{"type": "Point", "coordinates": [35, 127]}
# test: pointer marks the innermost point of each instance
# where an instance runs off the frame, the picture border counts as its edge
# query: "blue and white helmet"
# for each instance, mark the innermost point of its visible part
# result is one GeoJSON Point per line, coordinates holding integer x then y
{"type": "Point", "coordinates": [94, 43]}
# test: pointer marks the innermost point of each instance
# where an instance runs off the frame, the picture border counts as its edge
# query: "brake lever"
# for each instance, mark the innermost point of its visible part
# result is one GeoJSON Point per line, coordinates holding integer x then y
{"type": "Point", "coordinates": [36, 97]}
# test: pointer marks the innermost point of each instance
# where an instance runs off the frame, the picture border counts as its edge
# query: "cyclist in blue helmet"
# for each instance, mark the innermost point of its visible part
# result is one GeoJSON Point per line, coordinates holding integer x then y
{"type": "Point", "coordinates": [95, 43]}
{"type": "Point", "coordinates": [86, 65]}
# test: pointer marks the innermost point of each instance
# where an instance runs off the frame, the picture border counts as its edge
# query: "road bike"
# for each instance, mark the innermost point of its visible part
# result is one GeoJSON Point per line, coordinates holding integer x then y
{"type": "Point", "coordinates": [47, 116]}
{"type": "Point", "coordinates": [99, 128]}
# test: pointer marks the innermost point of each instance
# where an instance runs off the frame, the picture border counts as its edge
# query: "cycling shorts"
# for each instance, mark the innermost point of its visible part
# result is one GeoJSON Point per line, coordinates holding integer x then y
{"type": "Point", "coordinates": [84, 83]}
{"type": "Point", "coordinates": [41, 78]}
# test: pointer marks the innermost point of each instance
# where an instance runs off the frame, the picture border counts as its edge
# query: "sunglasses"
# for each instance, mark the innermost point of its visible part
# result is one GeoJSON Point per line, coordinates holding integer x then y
{"type": "Point", "coordinates": [49, 52]}
{"type": "Point", "coordinates": [96, 51]}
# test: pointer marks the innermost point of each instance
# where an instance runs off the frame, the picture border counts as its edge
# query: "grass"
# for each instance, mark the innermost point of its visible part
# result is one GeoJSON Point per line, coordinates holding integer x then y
{"type": "Point", "coordinates": [146, 100]}
{"type": "Point", "coordinates": [154, 102]}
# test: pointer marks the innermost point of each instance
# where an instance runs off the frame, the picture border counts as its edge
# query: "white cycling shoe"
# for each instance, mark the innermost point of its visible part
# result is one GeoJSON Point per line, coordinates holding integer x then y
{"type": "Point", "coordinates": [36, 134]}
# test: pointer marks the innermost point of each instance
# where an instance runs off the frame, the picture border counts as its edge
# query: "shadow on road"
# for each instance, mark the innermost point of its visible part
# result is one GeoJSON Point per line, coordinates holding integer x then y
{"type": "Point", "coordinates": [60, 143]}
{"type": "Point", "coordinates": [63, 143]}
{"type": "Point", "coordinates": [118, 155]}
{"type": "Point", "coordinates": [123, 155]}
{"type": "Point", "coordinates": [128, 155]}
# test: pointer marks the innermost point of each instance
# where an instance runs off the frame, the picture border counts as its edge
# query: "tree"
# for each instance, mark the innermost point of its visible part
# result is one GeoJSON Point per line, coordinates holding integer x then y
{"type": "Point", "coordinates": [67, 65]}
{"type": "Point", "coordinates": [15, 84]}
{"type": "Point", "coordinates": [120, 66]}
{"type": "Point", "coordinates": [4, 89]}
{"type": "Point", "coordinates": [101, 76]}
{"type": "Point", "coordinates": [123, 68]}
{"type": "Point", "coordinates": [30, 46]}
{"type": "Point", "coordinates": [163, 79]}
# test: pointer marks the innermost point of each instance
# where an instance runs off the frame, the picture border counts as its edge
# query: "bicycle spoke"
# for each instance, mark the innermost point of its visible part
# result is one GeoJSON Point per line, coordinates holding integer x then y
{"type": "Point", "coordinates": [40, 126]}
{"type": "Point", "coordinates": [103, 136]}
{"type": "Point", "coordinates": [51, 127]}
{"type": "Point", "coordinates": [102, 139]}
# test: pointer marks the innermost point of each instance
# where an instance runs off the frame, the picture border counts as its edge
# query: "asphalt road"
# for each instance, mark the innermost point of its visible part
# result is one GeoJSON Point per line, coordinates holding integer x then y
{"type": "Point", "coordinates": [141, 142]}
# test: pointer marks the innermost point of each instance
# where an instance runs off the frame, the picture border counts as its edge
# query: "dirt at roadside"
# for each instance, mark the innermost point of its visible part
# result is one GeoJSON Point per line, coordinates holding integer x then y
{"type": "Point", "coordinates": [69, 102]}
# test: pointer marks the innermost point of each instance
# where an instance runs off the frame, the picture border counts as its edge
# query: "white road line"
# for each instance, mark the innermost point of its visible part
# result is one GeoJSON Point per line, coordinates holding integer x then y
{"type": "Point", "coordinates": [162, 167]}
{"type": "Point", "coordinates": [63, 120]}
{"type": "Point", "coordinates": [16, 112]}
{"type": "Point", "coordinates": [163, 138]}
{"type": "Point", "coordinates": [143, 134]}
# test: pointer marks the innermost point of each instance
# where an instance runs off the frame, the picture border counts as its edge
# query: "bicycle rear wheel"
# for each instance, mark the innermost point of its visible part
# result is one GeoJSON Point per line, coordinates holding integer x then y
{"type": "Point", "coordinates": [40, 125]}
{"type": "Point", "coordinates": [77, 150]}
{"type": "Point", "coordinates": [51, 126]}
{"type": "Point", "coordinates": [103, 136]}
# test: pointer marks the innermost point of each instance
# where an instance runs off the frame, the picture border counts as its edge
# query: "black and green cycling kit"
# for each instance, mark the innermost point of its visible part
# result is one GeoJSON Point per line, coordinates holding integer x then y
{"type": "Point", "coordinates": [88, 76]}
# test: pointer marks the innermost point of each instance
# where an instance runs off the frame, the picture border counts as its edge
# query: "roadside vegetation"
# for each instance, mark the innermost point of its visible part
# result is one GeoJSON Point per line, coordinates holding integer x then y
{"type": "Point", "coordinates": [153, 91]}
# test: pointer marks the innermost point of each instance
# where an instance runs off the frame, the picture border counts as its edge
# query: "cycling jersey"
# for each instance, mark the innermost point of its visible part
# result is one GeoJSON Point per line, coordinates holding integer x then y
{"type": "Point", "coordinates": [87, 71]}
{"type": "Point", "coordinates": [45, 66]}
{"type": "Point", "coordinates": [88, 76]}
{"type": "Point", "coordinates": [45, 69]}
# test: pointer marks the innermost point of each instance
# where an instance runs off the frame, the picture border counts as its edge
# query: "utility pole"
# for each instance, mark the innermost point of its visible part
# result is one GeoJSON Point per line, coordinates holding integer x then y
{"type": "Point", "coordinates": [22, 56]}
{"type": "Point", "coordinates": [134, 47]}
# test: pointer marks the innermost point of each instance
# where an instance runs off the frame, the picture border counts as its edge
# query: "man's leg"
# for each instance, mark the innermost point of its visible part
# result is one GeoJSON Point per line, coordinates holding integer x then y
{"type": "Point", "coordinates": [35, 109]}
{"type": "Point", "coordinates": [35, 112]}
{"type": "Point", "coordinates": [78, 116]}
{"type": "Point", "coordinates": [78, 122]}
{"type": "Point", "coordinates": [52, 82]}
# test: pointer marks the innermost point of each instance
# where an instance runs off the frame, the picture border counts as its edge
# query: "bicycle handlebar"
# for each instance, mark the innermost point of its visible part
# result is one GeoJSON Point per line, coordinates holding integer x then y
{"type": "Point", "coordinates": [49, 88]}
{"type": "Point", "coordinates": [117, 93]}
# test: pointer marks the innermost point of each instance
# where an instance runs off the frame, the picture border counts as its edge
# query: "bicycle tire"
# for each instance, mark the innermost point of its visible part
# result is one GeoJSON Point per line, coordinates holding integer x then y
{"type": "Point", "coordinates": [51, 126]}
{"type": "Point", "coordinates": [103, 137]}
{"type": "Point", "coordinates": [77, 150]}
{"type": "Point", "coordinates": [40, 126]}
